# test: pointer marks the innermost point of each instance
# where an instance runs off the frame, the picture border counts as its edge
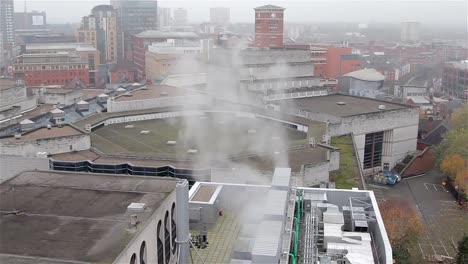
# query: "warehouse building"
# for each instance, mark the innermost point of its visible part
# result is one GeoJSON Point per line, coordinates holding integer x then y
{"type": "Point", "coordinates": [383, 132]}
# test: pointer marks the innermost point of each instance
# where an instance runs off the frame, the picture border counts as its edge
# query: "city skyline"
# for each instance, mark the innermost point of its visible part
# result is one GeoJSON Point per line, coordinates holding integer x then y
{"type": "Point", "coordinates": [242, 11]}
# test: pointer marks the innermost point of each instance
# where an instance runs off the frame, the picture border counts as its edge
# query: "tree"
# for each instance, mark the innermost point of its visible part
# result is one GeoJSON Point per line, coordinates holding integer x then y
{"type": "Point", "coordinates": [462, 256]}
{"type": "Point", "coordinates": [404, 229]}
{"type": "Point", "coordinates": [452, 164]}
{"type": "Point", "coordinates": [460, 117]}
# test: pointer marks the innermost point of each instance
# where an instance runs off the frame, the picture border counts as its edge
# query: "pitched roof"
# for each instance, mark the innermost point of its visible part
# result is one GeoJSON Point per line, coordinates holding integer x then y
{"type": "Point", "coordinates": [436, 135]}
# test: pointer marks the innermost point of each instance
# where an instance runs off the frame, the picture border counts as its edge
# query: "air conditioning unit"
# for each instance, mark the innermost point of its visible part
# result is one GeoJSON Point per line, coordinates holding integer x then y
{"type": "Point", "coordinates": [88, 127]}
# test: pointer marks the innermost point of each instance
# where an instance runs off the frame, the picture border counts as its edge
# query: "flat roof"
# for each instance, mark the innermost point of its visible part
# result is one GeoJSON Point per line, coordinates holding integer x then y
{"type": "Point", "coordinates": [61, 91]}
{"type": "Point", "coordinates": [60, 46]}
{"type": "Point", "coordinates": [6, 84]}
{"type": "Point", "coordinates": [43, 132]}
{"type": "Point", "coordinates": [75, 216]}
{"type": "Point", "coordinates": [354, 105]}
{"type": "Point", "coordinates": [151, 92]}
{"type": "Point", "coordinates": [164, 34]}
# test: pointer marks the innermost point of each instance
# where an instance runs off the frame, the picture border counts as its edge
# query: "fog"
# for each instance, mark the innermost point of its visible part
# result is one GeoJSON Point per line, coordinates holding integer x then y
{"type": "Point", "coordinates": [310, 11]}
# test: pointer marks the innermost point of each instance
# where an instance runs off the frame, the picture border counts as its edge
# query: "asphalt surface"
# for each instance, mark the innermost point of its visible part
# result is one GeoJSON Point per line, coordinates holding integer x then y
{"type": "Point", "coordinates": [444, 221]}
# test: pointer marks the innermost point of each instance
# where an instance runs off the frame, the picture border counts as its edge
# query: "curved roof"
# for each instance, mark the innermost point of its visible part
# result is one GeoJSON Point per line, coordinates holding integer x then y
{"type": "Point", "coordinates": [370, 75]}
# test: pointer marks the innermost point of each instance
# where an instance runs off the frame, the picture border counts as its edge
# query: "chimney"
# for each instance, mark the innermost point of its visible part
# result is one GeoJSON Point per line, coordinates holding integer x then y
{"type": "Point", "coordinates": [182, 210]}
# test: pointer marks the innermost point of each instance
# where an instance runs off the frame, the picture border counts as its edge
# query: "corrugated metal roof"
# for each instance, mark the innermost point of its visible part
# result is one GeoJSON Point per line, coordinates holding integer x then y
{"type": "Point", "coordinates": [268, 239]}
{"type": "Point", "coordinates": [281, 177]}
{"type": "Point", "coordinates": [276, 203]}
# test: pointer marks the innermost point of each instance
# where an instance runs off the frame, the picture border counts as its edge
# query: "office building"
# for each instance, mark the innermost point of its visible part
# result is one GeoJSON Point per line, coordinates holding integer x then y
{"type": "Point", "coordinates": [7, 23]}
{"type": "Point", "coordinates": [162, 58]}
{"type": "Point", "coordinates": [220, 16]}
{"type": "Point", "coordinates": [409, 31]}
{"type": "Point", "coordinates": [30, 20]}
{"type": "Point", "coordinates": [142, 40]}
{"type": "Point", "coordinates": [180, 17]}
{"type": "Point", "coordinates": [133, 17]}
{"type": "Point", "coordinates": [100, 30]}
{"type": "Point", "coordinates": [164, 18]}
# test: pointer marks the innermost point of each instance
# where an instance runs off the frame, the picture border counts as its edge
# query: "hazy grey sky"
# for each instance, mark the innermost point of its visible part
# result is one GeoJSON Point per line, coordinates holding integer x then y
{"type": "Point", "coordinates": [365, 11]}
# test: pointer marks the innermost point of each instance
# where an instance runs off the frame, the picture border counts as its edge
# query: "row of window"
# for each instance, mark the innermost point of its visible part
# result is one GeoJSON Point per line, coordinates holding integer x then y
{"type": "Point", "coordinates": [51, 67]}
{"type": "Point", "coordinates": [163, 248]}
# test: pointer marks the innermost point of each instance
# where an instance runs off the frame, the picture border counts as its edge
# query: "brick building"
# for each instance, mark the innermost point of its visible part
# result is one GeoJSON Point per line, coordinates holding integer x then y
{"type": "Point", "coordinates": [455, 79]}
{"type": "Point", "coordinates": [269, 21]}
{"type": "Point", "coordinates": [123, 71]}
{"type": "Point", "coordinates": [86, 51]}
{"type": "Point", "coordinates": [142, 40]}
{"type": "Point", "coordinates": [50, 68]}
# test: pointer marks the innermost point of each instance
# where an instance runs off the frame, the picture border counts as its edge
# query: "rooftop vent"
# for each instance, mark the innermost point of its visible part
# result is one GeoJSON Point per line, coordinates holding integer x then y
{"type": "Point", "coordinates": [192, 151]}
{"type": "Point", "coordinates": [171, 142]}
{"type": "Point", "coordinates": [382, 107]}
{"type": "Point", "coordinates": [144, 132]}
{"type": "Point", "coordinates": [49, 127]}
{"type": "Point", "coordinates": [128, 94]}
{"type": "Point", "coordinates": [144, 88]}
{"type": "Point", "coordinates": [129, 126]}
{"type": "Point", "coordinates": [136, 207]}
{"type": "Point", "coordinates": [18, 136]}
{"type": "Point", "coordinates": [340, 103]}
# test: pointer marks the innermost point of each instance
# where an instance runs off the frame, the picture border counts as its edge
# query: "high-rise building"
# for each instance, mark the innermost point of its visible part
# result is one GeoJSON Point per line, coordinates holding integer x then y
{"type": "Point", "coordinates": [409, 31]}
{"type": "Point", "coordinates": [133, 17]}
{"type": "Point", "coordinates": [7, 23]}
{"type": "Point", "coordinates": [180, 17]}
{"type": "Point", "coordinates": [269, 26]}
{"type": "Point", "coordinates": [164, 17]}
{"type": "Point", "coordinates": [30, 20]}
{"type": "Point", "coordinates": [100, 30]}
{"type": "Point", "coordinates": [220, 15]}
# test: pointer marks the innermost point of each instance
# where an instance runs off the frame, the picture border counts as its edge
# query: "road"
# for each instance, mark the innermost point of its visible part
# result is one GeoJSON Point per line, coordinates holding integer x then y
{"type": "Point", "coordinates": [444, 222]}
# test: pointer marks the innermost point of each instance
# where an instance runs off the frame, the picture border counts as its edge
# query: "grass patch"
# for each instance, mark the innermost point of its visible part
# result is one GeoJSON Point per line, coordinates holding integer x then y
{"type": "Point", "coordinates": [344, 178]}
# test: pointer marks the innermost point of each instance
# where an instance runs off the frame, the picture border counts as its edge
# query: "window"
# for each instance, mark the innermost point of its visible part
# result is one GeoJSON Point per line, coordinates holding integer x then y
{"type": "Point", "coordinates": [173, 229]}
{"type": "Point", "coordinates": [159, 244]}
{"type": "Point", "coordinates": [143, 259]}
{"type": "Point", "coordinates": [167, 239]}
{"type": "Point", "coordinates": [373, 150]}
{"type": "Point", "coordinates": [133, 259]}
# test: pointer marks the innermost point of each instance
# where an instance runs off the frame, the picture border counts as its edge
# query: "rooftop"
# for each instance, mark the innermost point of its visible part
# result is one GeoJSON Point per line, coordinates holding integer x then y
{"type": "Point", "coordinates": [353, 105]}
{"type": "Point", "coordinates": [269, 7]}
{"type": "Point", "coordinates": [60, 46]}
{"type": "Point", "coordinates": [43, 133]}
{"type": "Point", "coordinates": [6, 84]}
{"type": "Point", "coordinates": [151, 92]}
{"type": "Point", "coordinates": [74, 216]}
{"type": "Point", "coordinates": [164, 34]}
{"type": "Point", "coordinates": [61, 91]}
{"type": "Point", "coordinates": [370, 75]}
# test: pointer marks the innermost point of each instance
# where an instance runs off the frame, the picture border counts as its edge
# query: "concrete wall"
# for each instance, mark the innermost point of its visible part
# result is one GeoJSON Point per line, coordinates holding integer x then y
{"type": "Point", "coordinates": [11, 166]}
{"type": "Point", "coordinates": [50, 145]}
{"type": "Point", "coordinates": [315, 173]}
{"type": "Point", "coordinates": [64, 99]}
{"type": "Point", "coordinates": [400, 137]}
{"type": "Point", "coordinates": [114, 106]}
{"type": "Point", "coordinates": [149, 236]}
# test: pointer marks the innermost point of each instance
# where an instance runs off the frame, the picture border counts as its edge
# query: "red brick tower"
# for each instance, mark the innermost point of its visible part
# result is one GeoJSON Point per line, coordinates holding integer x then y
{"type": "Point", "coordinates": [269, 26]}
